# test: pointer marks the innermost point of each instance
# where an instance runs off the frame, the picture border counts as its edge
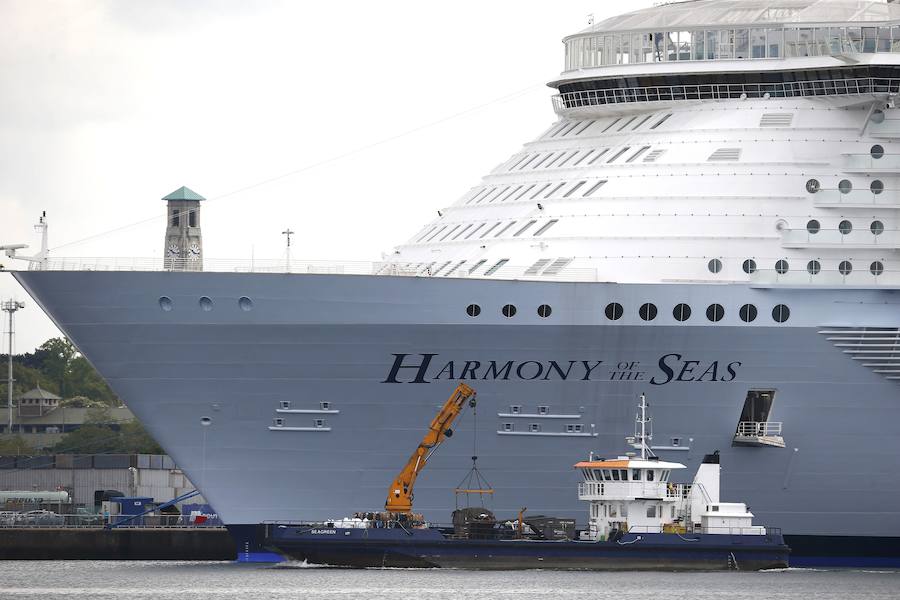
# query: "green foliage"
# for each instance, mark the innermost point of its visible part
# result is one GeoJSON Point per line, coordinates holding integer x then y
{"type": "Point", "coordinates": [10, 445]}
{"type": "Point", "coordinates": [108, 438]}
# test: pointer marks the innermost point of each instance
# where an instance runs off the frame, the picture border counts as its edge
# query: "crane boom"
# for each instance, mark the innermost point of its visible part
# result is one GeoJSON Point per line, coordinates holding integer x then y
{"type": "Point", "coordinates": [400, 494]}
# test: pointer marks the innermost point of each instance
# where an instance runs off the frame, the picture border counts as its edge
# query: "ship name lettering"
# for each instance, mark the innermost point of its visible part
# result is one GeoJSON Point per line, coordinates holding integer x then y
{"type": "Point", "coordinates": [529, 370]}
{"type": "Point", "coordinates": [323, 531]}
{"type": "Point", "coordinates": [692, 370]}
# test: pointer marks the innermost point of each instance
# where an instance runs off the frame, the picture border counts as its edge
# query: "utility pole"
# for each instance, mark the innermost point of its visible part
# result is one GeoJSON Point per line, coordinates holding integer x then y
{"type": "Point", "coordinates": [11, 306]}
{"type": "Point", "coordinates": [287, 232]}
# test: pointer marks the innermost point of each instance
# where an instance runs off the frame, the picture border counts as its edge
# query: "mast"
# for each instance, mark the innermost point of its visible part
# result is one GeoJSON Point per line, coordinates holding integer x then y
{"type": "Point", "coordinates": [641, 421]}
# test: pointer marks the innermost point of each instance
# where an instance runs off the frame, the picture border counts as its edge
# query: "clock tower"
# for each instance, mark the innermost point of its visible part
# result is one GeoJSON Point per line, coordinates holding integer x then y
{"type": "Point", "coordinates": [183, 250]}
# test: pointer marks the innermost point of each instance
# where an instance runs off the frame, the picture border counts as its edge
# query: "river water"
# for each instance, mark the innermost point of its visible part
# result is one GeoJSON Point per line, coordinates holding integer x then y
{"type": "Point", "coordinates": [189, 580]}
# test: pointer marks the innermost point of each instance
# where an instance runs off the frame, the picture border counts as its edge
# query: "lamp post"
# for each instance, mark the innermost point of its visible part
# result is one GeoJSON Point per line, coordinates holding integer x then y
{"type": "Point", "coordinates": [11, 306]}
{"type": "Point", "coordinates": [287, 232]}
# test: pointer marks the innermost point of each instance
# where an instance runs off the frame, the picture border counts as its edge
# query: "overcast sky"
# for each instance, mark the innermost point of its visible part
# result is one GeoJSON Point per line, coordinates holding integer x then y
{"type": "Point", "coordinates": [106, 107]}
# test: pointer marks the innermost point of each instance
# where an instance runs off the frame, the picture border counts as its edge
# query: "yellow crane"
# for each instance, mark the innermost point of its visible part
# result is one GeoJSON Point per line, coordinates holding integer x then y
{"type": "Point", "coordinates": [400, 494]}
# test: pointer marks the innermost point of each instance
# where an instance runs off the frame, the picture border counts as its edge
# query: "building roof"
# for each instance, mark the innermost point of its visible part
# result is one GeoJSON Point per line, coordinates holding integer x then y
{"type": "Point", "coordinates": [184, 193]}
{"type": "Point", "coordinates": [70, 416]}
{"type": "Point", "coordinates": [693, 14]}
{"type": "Point", "coordinates": [627, 463]}
{"type": "Point", "coordinates": [39, 394]}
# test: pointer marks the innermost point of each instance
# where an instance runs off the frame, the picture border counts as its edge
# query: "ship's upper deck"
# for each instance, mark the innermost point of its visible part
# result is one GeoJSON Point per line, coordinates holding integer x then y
{"type": "Point", "coordinates": [736, 34]}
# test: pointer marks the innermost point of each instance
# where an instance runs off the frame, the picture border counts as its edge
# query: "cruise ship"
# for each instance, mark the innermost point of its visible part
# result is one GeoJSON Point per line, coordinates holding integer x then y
{"type": "Point", "coordinates": [712, 220]}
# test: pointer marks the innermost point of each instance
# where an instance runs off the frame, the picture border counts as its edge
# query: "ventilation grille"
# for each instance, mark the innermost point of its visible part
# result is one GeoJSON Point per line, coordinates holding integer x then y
{"type": "Point", "coordinates": [558, 265]}
{"type": "Point", "coordinates": [654, 155]}
{"type": "Point", "coordinates": [725, 154]}
{"type": "Point", "coordinates": [874, 347]}
{"type": "Point", "coordinates": [776, 120]}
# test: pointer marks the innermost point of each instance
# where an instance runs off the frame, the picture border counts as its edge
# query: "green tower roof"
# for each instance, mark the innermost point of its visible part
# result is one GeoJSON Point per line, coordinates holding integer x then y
{"type": "Point", "coordinates": [184, 193]}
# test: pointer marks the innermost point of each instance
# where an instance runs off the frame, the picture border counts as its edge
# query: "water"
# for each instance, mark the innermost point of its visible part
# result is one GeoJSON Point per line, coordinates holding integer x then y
{"type": "Point", "coordinates": [190, 580]}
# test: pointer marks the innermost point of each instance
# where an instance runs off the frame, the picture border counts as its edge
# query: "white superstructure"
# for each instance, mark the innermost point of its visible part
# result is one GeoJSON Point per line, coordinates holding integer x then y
{"type": "Point", "coordinates": [713, 140]}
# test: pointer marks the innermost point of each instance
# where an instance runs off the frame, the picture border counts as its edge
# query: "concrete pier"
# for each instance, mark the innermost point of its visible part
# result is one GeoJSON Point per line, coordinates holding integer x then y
{"type": "Point", "coordinates": [126, 543]}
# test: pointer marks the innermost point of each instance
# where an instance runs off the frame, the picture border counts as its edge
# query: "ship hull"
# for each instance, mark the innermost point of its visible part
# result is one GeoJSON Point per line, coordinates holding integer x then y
{"type": "Point", "coordinates": [417, 548]}
{"type": "Point", "coordinates": [384, 352]}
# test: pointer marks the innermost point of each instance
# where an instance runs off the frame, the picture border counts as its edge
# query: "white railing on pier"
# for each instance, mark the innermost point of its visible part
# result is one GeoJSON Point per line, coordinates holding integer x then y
{"type": "Point", "coordinates": [759, 428]}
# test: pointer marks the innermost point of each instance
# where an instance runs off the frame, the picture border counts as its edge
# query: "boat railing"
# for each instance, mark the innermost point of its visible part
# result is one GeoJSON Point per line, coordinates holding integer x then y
{"type": "Point", "coordinates": [751, 530]}
{"type": "Point", "coordinates": [568, 101]}
{"type": "Point", "coordinates": [759, 428]}
{"type": "Point", "coordinates": [10, 520]}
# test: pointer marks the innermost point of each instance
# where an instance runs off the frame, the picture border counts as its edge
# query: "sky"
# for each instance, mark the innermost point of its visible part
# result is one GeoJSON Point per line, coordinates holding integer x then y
{"type": "Point", "coordinates": [350, 123]}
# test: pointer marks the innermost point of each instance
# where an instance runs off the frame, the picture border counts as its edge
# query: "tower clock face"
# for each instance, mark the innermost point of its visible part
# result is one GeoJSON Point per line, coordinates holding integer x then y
{"type": "Point", "coordinates": [195, 251]}
{"type": "Point", "coordinates": [174, 250]}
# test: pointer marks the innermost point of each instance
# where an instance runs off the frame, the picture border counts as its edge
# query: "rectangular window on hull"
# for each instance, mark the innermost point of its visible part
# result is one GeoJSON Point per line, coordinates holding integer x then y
{"type": "Point", "coordinates": [545, 227]}
{"type": "Point", "coordinates": [496, 266]}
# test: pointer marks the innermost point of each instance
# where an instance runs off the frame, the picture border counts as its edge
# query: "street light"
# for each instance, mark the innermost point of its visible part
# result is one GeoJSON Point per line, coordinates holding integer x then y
{"type": "Point", "coordinates": [11, 306]}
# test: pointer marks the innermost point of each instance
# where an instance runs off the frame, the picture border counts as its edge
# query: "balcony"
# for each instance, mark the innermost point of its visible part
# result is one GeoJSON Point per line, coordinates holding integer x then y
{"type": "Point", "coordinates": [831, 198]}
{"type": "Point", "coordinates": [889, 128]}
{"type": "Point", "coordinates": [849, 237]}
{"type": "Point", "coordinates": [798, 275]}
{"type": "Point", "coordinates": [869, 163]}
{"type": "Point", "coordinates": [622, 490]}
{"type": "Point", "coordinates": [758, 433]}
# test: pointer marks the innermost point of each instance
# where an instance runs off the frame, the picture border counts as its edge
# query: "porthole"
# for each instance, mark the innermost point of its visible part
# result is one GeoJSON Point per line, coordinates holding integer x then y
{"type": "Point", "coordinates": [782, 267]}
{"type": "Point", "coordinates": [544, 311]}
{"type": "Point", "coordinates": [245, 303]}
{"type": "Point", "coordinates": [812, 186]}
{"type": "Point", "coordinates": [614, 311]}
{"type": "Point", "coordinates": [473, 310]}
{"type": "Point", "coordinates": [749, 266]}
{"type": "Point", "coordinates": [682, 312]}
{"type": "Point", "coordinates": [845, 186]}
{"type": "Point", "coordinates": [205, 421]}
{"type": "Point", "coordinates": [747, 313]}
{"type": "Point", "coordinates": [877, 151]}
{"type": "Point", "coordinates": [647, 311]}
{"type": "Point", "coordinates": [876, 268]}
{"type": "Point", "coordinates": [845, 227]}
{"type": "Point", "coordinates": [813, 267]}
{"type": "Point", "coordinates": [877, 227]}
{"type": "Point", "coordinates": [714, 265]}
{"type": "Point", "coordinates": [877, 116]}
{"type": "Point", "coordinates": [715, 312]}
{"type": "Point", "coordinates": [876, 187]}
{"type": "Point", "coordinates": [508, 311]}
{"type": "Point", "coordinates": [781, 313]}
{"type": "Point", "coordinates": [846, 267]}
{"type": "Point", "coordinates": [813, 226]}
{"type": "Point", "coordinates": [165, 303]}
{"type": "Point", "coordinates": [206, 304]}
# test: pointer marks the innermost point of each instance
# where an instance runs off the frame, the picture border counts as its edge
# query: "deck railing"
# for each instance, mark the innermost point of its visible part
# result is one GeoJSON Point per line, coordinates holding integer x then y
{"type": "Point", "coordinates": [725, 91]}
{"type": "Point", "coordinates": [759, 428]}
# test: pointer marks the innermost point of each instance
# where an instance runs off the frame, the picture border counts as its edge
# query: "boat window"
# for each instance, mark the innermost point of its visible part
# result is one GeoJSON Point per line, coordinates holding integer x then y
{"type": "Point", "coordinates": [612, 510]}
{"type": "Point", "coordinates": [538, 193]}
{"type": "Point", "coordinates": [543, 410]}
{"type": "Point", "coordinates": [614, 311]}
{"type": "Point", "coordinates": [502, 231]}
{"type": "Point", "coordinates": [580, 160]}
{"type": "Point", "coordinates": [636, 474]}
{"type": "Point", "coordinates": [546, 226]}
{"type": "Point", "coordinates": [524, 228]}
{"type": "Point", "coordinates": [598, 476]}
{"type": "Point", "coordinates": [747, 313]}
{"type": "Point", "coordinates": [535, 427]}
{"type": "Point", "coordinates": [594, 188]}
{"type": "Point", "coordinates": [325, 405]}
{"type": "Point", "coordinates": [574, 189]}
{"type": "Point", "coordinates": [637, 154]}
{"type": "Point", "coordinates": [596, 158]}
{"type": "Point", "coordinates": [781, 313]}
{"type": "Point", "coordinates": [475, 267]}
{"type": "Point", "coordinates": [474, 231]}
{"type": "Point", "coordinates": [507, 427]}
{"type": "Point", "coordinates": [615, 474]}
{"type": "Point", "coordinates": [606, 475]}
{"type": "Point", "coordinates": [651, 511]}
{"type": "Point", "coordinates": [496, 266]}
{"type": "Point", "coordinates": [554, 190]}
{"type": "Point", "coordinates": [285, 404]}
{"type": "Point", "coordinates": [618, 154]}
{"type": "Point", "coordinates": [490, 229]}
{"type": "Point", "coordinates": [523, 192]}
{"type": "Point", "coordinates": [540, 162]}
{"type": "Point", "coordinates": [610, 125]}
{"type": "Point", "coordinates": [508, 310]}
{"type": "Point", "coordinates": [515, 409]}
{"type": "Point", "coordinates": [876, 268]}
{"type": "Point", "coordinates": [647, 311]}
{"type": "Point", "coordinates": [623, 473]}
{"type": "Point", "coordinates": [661, 121]}
{"type": "Point", "coordinates": [649, 474]}
{"type": "Point", "coordinates": [319, 423]}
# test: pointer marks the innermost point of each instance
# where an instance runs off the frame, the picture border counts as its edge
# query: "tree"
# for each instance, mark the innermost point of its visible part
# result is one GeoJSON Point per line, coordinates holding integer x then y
{"type": "Point", "coordinates": [14, 445]}
{"type": "Point", "coordinates": [100, 435]}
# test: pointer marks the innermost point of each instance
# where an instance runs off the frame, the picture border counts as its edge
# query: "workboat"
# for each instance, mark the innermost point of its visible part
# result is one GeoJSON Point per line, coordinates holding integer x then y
{"type": "Point", "coordinates": [638, 518]}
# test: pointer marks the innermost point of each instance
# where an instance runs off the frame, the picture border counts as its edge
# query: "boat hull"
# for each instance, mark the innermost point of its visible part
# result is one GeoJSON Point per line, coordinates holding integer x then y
{"type": "Point", "coordinates": [416, 548]}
